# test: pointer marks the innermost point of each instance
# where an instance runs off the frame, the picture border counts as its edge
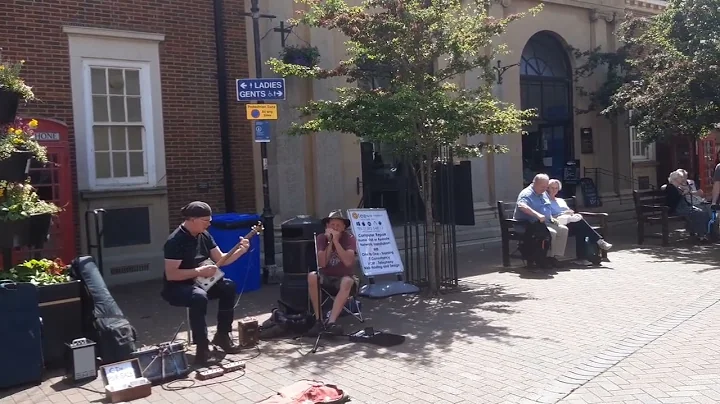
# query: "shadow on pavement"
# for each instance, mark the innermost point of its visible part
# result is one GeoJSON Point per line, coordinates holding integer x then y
{"type": "Point", "coordinates": [430, 325]}
{"type": "Point", "coordinates": [426, 322]}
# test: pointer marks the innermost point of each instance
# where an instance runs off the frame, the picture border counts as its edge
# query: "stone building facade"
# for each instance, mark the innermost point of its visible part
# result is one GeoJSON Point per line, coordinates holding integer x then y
{"type": "Point", "coordinates": [321, 172]}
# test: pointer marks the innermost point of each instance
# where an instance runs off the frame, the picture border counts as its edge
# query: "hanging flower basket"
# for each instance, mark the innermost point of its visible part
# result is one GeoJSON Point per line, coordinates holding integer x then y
{"type": "Point", "coordinates": [39, 230]}
{"type": "Point", "coordinates": [9, 102]}
{"type": "Point", "coordinates": [307, 56]}
{"type": "Point", "coordinates": [27, 232]}
{"type": "Point", "coordinates": [15, 168]}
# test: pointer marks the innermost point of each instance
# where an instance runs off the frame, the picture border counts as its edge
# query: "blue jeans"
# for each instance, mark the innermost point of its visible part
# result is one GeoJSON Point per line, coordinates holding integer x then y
{"type": "Point", "coordinates": [196, 299]}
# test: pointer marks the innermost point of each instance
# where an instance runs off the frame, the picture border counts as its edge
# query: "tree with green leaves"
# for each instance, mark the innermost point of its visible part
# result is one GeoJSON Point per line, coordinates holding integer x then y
{"type": "Point", "coordinates": [667, 71]}
{"type": "Point", "coordinates": [420, 47]}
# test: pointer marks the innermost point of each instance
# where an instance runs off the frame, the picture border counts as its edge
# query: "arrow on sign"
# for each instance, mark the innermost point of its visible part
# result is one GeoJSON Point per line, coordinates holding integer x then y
{"type": "Point", "coordinates": [243, 85]}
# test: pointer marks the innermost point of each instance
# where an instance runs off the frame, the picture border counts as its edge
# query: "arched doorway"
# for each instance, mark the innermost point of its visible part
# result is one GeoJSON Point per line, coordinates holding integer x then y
{"type": "Point", "coordinates": [546, 84]}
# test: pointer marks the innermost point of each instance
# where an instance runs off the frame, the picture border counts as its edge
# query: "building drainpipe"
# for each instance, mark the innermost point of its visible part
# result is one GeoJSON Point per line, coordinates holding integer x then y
{"type": "Point", "coordinates": [223, 107]}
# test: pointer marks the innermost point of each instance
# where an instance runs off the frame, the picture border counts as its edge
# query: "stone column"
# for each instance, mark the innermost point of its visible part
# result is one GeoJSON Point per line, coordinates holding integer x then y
{"type": "Point", "coordinates": [621, 139]}
{"type": "Point", "coordinates": [505, 171]}
{"type": "Point", "coordinates": [603, 130]}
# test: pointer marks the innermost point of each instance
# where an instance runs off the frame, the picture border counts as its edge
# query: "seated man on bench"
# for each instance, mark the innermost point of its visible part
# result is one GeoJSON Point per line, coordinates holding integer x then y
{"type": "Point", "coordinates": [336, 260]}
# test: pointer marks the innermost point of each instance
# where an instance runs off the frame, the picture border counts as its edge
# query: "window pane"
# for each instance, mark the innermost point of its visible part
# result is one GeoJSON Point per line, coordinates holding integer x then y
{"type": "Point", "coordinates": [97, 77]}
{"type": "Point", "coordinates": [102, 165]}
{"type": "Point", "coordinates": [116, 81]}
{"type": "Point", "coordinates": [100, 109]}
{"type": "Point", "coordinates": [117, 109]}
{"type": "Point", "coordinates": [117, 138]}
{"type": "Point", "coordinates": [132, 82]}
{"type": "Point", "coordinates": [101, 138]}
{"type": "Point", "coordinates": [137, 164]}
{"type": "Point", "coordinates": [119, 164]}
{"type": "Point", "coordinates": [134, 138]}
{"type": "Point", "coordinates": [133, 109]}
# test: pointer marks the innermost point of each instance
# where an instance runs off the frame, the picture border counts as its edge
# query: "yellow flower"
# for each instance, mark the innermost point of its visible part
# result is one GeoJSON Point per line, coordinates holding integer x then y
{"type": "Point", "coordinates": [33, 123]}
{"type": "Point", "coordinates": [11, 130]}
{"type": "Point", "coordinates": [2, 192]}
{"type": "Point", "coordinates": [18, 131]}
{"type": "Point", "coordinates": [18, 141]}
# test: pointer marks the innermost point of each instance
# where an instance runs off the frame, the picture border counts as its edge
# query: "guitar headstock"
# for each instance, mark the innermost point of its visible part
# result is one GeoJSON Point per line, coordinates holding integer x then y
{"type": "Point", "coordinates": [258, 228]}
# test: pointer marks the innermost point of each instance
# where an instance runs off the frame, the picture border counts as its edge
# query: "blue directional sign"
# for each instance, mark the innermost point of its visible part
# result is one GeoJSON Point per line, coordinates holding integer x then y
{"type": "Point", "coordinates": [262, 131]}
{"type": "Point", "coordinates": [260, 89]}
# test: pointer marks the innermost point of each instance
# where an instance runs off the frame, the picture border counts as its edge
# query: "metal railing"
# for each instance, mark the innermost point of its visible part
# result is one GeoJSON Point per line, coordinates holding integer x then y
{"type": "Point", "coordinates": [598, 173]}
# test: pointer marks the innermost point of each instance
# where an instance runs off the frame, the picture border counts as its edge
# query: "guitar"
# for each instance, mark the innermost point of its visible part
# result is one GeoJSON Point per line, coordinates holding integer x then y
{"type": "Point", "coordinates": [206, 283]}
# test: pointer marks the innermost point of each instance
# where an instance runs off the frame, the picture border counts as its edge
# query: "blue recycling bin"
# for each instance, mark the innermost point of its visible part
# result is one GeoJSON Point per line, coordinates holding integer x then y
{"type": "Point", "coordinates": [226, 229]}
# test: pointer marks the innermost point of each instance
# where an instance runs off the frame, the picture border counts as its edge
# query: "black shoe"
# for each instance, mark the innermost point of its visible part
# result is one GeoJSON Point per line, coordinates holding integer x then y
{"type": "Point", "coordinates": [554, 262]}
{"type": "Point", "coordinates": [225, 343]}
{"type": "Point", "coordinates": [316, 329]}
{"type": "Point", "coordinates": [203, 357]}
{"type": "Point", "coordinates": [334, 329]}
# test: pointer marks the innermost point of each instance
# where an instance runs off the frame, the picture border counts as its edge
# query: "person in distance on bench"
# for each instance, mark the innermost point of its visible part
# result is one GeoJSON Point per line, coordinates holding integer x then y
{"type": "Point", "coordinates": [336, 260]}
{"type": "Point", "coordinates": [186, 251]}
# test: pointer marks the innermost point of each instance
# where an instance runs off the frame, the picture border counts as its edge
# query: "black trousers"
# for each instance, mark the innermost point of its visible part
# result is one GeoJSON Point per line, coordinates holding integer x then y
{"type": "Point", "coordinates": [582, 230]}
{"type": "Point", "coordinates": [196, 299]}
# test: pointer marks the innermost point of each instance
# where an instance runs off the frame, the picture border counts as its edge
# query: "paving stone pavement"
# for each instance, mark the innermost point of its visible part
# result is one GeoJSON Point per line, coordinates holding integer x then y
{"type": "Point", "coordinates": [642, 327]}
{"type": "Point", "coordinates": [680, 366]}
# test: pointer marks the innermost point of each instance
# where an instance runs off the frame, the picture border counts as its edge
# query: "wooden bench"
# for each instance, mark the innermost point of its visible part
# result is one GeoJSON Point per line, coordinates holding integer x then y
{"type": "Point", "coordinates": [512, 230]}
{"type": "Point", "coordinates": [651, 209]}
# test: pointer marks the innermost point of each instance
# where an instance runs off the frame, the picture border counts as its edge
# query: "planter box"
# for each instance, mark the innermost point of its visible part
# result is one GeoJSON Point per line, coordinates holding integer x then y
{"type": "Point", "coordinates": [29, 232]}
{"type": "Point", "coordinates": [15, 168]}
{"type": "Point", "coordinates": [9, 102]}
{"type": "Point", "coordinates": [61, 313]}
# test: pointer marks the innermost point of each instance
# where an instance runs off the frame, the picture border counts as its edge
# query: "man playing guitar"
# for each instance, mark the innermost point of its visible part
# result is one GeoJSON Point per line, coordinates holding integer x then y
{"type": "Point", "coordinates": [186, 251]}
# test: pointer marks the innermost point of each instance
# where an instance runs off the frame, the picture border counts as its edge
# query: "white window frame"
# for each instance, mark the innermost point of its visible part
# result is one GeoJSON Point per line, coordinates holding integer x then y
{"type": "Point", "coordinates": [649, 154]}
{"type": "Point", "coordinates": [149, 179]}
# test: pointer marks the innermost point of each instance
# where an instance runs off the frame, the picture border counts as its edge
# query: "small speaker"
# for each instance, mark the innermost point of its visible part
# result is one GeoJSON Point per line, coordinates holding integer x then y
{"type": "Point", "coordinates": [80, 360]}
{"type": "Point", "coordinates": [248, 332]}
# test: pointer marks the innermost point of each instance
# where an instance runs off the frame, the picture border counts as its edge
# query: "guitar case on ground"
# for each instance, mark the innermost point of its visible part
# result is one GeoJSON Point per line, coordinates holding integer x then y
{"type": "Point", "coordinates": [21, 361]}
{"type": "Point", "coordinates": [103, 321]}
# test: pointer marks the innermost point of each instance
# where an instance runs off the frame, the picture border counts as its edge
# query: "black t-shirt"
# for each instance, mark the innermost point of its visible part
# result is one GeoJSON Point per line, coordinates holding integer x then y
{"type": "Point", "coordinates": [191, 250]}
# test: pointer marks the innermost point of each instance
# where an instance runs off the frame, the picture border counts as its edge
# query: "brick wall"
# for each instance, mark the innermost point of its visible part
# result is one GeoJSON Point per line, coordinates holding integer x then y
{"type": "Point", "coordinates": [32, 30]}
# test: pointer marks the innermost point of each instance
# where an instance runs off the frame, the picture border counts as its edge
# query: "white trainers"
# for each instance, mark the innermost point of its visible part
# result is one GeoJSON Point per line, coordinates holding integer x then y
{"type": "Point", "coordinates": [604, 245]}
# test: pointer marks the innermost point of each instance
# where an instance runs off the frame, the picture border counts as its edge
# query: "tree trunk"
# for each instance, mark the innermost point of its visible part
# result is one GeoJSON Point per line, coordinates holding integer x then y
{"type": "Point", "coordinates": [430, 230]}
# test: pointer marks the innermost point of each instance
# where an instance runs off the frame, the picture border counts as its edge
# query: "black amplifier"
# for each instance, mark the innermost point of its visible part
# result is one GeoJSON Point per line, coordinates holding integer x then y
{"type": "Point", "coordinates": [163, 362]}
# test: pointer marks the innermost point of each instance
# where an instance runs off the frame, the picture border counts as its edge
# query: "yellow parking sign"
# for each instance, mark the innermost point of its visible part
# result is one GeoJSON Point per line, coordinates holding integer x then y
{"type": "Point", "coordinates": [261, 111]}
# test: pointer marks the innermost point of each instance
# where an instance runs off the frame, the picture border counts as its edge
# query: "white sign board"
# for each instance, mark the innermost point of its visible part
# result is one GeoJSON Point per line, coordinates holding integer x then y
{"type": "Point", "coordinates": [377, 248]}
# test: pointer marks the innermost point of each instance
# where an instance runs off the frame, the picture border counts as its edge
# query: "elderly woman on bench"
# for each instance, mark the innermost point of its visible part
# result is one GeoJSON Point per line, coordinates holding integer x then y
{"type": "Point", "coordinates": [683, 200]}
{"type": "Point", "coordinates": [575, 222]}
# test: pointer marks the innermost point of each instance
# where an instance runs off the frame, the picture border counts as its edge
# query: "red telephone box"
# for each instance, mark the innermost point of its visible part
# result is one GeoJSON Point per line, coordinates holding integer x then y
{"type": "Point", "coordinates": [53, 182]}
{"type": "Point", "coordinates": [706, 157]}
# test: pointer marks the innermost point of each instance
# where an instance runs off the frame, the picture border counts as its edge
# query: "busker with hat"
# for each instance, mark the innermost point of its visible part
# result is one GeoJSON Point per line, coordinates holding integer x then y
{"type": "Point", "coordinates": [187, 253]}
{"type": "Point", "coordinates": [336, 260]}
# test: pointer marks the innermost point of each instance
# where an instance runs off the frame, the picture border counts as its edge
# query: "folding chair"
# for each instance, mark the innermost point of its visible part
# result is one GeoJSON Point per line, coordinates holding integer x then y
{"type": "Point", "coordinates": [351, 307]}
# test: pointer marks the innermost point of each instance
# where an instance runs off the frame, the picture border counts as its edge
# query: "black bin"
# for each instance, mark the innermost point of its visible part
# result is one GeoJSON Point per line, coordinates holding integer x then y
{"type": "Point", "coordinates": [298, 244]}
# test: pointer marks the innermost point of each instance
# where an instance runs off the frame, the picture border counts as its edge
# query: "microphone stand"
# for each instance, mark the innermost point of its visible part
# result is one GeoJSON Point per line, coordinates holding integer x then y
{"type": "Point", "coordinates": [323, 331]}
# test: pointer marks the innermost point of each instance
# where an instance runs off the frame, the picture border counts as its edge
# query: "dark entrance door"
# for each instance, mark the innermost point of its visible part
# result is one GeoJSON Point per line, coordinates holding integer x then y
{"type": "Point", "coordinates": [544, 151]}
{"type": "Point", "coordinates": [545, 82]}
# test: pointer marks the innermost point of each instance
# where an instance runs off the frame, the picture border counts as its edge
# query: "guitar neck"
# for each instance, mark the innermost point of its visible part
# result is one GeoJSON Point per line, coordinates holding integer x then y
{"type": "Point", "coordinates": [237, 246]}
